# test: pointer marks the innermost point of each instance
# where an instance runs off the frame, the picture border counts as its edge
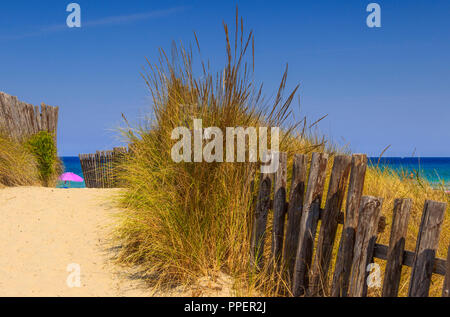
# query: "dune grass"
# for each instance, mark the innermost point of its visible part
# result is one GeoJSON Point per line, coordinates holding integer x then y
{"type": "Point", "coordinates": [32, 162]}
{"type": "Point", "coordinates": [183, 221]}
{"type": "Point", "coordinates": [18, 166]}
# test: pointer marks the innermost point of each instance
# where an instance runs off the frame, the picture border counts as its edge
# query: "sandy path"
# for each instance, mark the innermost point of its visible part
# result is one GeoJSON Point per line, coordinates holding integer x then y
{"type": "Point", "coordinates": [43, 230]}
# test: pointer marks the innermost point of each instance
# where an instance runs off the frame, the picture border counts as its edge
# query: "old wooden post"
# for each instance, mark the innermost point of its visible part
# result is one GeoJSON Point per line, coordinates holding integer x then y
{"type": "Point", "coordinates": [446, 286]}
{"type": "Point", "coordinates": [308, 222]}
{"type": "Point", "coordinates": [344, 258]}
{"type": "Point", "coordinates": [365, 238]}
{"type": "Point", "coordinates": [260, 220]}
{"type": "Point", "coordinates": [329, 223]}
{"type": "Point", "coordinates": [394, 263]}
{"type": "Point", "coordinates": [279, 209]}
{"type": "Point", "coordinates": [294, 213]}
{"type": "Point", "coordinates": [427, 242]}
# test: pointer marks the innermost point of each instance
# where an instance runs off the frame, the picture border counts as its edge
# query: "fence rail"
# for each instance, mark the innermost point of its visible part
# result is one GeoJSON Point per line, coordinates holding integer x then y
{"type": "Point", "coordinates": [307, 259]}
{"type": "Point", "coordinates": [20, 120]}
{"type": "Point", "coordinates": [100, 169]}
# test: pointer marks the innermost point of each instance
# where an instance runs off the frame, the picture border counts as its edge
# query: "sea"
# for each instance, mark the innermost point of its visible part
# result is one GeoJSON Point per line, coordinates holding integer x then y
{"type": "Point", "coordinates": [435, 169]}
{"type": "Point", "coordinates": [72, 164]}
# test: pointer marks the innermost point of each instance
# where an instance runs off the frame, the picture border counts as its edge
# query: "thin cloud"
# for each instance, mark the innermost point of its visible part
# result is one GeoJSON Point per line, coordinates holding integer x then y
{"type": "Point", "coordinates": [132, 17]}
{"type": "Point", "coordinates": [107, 21]}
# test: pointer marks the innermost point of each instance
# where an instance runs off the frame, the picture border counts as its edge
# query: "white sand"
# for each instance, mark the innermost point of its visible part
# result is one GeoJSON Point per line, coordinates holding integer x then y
{"type": "Point", "coordinates": [44, 230]}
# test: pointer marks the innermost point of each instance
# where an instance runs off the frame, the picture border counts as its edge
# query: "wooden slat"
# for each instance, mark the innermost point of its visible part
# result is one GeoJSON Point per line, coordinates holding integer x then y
{"type": "Point", "coordinates": [397, 240]}
{"type": "Point", "coordinates": [427, 243]}
{"type": "Point", "coordinates": [446, 286]}
{"type": "Point", "coordinates": [103, 169]}
{"type": "Point", "coordinates": [260, 220]}
{"type": "Point", "coordinates": [341, 217]}
{"type": "Point", "coordinates": [279, 209]}
{"type": "Point", "coordinates": [308, 222]}
{"type": "Point", "coordinates": [294, 211]}
{"type": "Point", "coordinates": [329, 224]}
{"type": "Point", "coordinates": [365, 238]}
{"type": "Point", "coordinates": [97, 170]}
{"type": "Point", "coordinates": [92, 170]}
{"type": "Point", "coordinates": [344, 258]}
{"type": "Point", "coordinates": [88, 174]}
{"type": "Point", "coordinates": [381, 252]}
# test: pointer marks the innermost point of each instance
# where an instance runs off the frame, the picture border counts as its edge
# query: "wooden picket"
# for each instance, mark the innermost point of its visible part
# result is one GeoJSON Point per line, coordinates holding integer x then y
{"type": "Point", "coordinates": [329, 225]}
{"type": "Point", "coordinates": [397, 240]}
{"type": "Point", "coordinates": [310, 275]}
{"type": "Point", "coordinates": [308, 222]}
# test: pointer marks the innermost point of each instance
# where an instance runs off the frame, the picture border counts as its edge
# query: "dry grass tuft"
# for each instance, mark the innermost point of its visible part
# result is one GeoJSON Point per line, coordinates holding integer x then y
{"type": "Point", "coordinates": [18, 167]}
{"type": "Point", "coordinates": [184, 221]}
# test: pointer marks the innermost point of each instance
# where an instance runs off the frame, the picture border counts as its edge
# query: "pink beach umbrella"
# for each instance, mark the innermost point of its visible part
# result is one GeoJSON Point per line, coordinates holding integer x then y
{"type": "Point", "coordinates": [70, 177]}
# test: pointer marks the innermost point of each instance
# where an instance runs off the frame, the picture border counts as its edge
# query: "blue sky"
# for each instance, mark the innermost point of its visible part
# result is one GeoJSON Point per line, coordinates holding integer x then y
{"type": "Point", "coordinates": [389, 85]}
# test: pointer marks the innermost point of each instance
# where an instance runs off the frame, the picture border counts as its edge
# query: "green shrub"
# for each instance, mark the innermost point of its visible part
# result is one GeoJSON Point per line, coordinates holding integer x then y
{"type": "Point", "coordinates": [42, 146]}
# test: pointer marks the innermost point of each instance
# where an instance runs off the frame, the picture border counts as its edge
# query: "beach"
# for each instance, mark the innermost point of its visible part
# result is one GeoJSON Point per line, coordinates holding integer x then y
{"type": "Point", "coordinates": [45, 230]}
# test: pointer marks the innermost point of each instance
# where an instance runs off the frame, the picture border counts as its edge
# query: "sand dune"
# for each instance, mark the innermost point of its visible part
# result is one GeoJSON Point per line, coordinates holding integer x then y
{"type": "Point", "coordinates": [43, 230]}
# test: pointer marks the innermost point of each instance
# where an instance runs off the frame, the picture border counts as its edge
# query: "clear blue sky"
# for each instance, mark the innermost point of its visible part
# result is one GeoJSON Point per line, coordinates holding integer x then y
{"type": "Point", "coordinates": [382, 86]}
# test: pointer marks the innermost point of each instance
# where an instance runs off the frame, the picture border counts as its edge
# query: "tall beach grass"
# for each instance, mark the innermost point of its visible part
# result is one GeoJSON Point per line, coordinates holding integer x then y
{"type": "Point", "coordinates": [18, 167]}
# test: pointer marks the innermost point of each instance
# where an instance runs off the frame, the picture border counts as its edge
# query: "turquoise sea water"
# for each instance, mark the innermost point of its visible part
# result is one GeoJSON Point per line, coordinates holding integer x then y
{"type": "Point", "coordinates": [434, 169]}
{"type": "Point", "coordinates": [72, 164]}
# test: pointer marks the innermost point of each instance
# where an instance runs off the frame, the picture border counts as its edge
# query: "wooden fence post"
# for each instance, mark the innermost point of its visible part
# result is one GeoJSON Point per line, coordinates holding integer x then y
{"type": "Point", "coordinates": [279, 209]}
{"type": "Point", "coordinates": [308, 222]}
{"type": "Point", "coordinates": [329, 223]}
{"type": "Point", "coordinates": [394, 263]}
{"type": "Point", "coordinates": [427, 242]}
{"type": "Point", "coordinates": [366, 236]}
{"type": "Point", "coordinates": [446, 286]}
{"type": "Point", "coordinates": [260, 220]}
{"type": "Point", "coordinates": [294, 213]}
{"type": "Point", "coordinates": [344, 258]}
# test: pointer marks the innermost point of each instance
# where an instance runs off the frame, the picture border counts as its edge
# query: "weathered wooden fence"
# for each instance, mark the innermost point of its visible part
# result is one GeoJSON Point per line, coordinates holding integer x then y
{"type": "Point", "coordinates": [306, 259]}
{"type": "Point", "coordinates": [20, 120]}
{"type": "Point", "coordinates": [100, 169]}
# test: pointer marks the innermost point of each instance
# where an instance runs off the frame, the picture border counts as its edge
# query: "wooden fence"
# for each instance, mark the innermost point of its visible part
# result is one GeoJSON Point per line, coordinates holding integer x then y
{"type": "Point", "coordinates": [306, 259]}
{"type": "Point", "coordinates": [20, 120]}
{"type": "Point", "coordinates": [100, 169]}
